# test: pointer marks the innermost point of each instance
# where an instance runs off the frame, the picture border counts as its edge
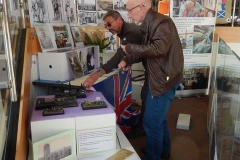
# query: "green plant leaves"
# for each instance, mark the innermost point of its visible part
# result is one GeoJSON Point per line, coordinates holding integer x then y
{"type": "Point", "coordinates": [96, 40]}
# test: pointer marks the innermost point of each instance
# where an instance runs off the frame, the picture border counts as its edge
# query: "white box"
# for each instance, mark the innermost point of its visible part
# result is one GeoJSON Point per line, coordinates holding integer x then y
{"type": "Point", "coordinates": [183, 121]}
{"type": "Point", "coordinates": [54, 66]}
{"type": "Point", "coordinates": [43, 127]}
{"type": "Point", "coordinates": [96, 128]}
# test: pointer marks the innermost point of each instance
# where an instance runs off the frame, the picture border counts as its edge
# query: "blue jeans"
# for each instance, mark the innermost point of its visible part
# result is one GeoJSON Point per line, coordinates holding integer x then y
{"type": "Point", "coordinates": [155, 124]}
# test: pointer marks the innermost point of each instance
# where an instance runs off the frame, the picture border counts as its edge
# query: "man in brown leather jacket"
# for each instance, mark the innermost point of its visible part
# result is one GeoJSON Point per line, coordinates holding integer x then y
{"type": "Point", "coordinates": [163, 51]}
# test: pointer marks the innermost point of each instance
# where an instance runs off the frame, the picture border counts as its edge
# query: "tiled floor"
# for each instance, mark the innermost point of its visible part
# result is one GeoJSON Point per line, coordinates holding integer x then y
{"type": "Point", "coordinates": [190, 144]}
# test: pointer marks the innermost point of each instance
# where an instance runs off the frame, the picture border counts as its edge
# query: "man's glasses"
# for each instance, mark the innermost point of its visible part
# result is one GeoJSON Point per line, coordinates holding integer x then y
{"type": "Point", "coordinates": [132, 8]}
{"type": "Point", "coordinates": [109, 24]}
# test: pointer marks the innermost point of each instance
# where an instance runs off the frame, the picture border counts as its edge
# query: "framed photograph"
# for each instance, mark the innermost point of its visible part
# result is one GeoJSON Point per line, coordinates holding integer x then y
{"type": "Point", "coordinates": [113, 39]}
{"type": "Point", "coordinates": [60, 146]}
{"type": "Point", "coordinates": [77, 36]}
{"type": "Point", "coordinates": [82, 53]}
{"type": "Point", "coordinates": [75, 65]}
{"type": "Point", "coordinates": [44, 37]}
{"type": "Point", "coordinates": [89, 59]}
{"type": "Point", "coordinates": [54, 36]}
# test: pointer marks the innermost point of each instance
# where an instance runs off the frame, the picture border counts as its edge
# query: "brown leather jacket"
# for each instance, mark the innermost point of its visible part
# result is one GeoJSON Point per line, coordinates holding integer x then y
{"type": "Point", "coordinates": [163, 50]}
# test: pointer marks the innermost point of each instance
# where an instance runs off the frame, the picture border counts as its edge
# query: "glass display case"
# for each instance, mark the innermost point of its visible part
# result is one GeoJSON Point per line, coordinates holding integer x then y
{"type": "Point", "coordinates": [224, 120]}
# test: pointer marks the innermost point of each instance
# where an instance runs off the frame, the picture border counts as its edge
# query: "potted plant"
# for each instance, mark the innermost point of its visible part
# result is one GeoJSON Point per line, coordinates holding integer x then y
{"type": "Point", "coordinates": [97, 38]}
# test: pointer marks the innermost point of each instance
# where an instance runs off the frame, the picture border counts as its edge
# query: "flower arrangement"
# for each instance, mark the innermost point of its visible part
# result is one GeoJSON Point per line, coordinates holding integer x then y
{"type": "Point", "coordinates": [96, 38]}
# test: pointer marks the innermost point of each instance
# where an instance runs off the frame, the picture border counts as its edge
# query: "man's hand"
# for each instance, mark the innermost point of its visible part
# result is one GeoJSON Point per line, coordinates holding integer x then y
{"type": "Point", "coordinates": [122, 65]}
{"type": "Point", "coordinates": [91, 80]}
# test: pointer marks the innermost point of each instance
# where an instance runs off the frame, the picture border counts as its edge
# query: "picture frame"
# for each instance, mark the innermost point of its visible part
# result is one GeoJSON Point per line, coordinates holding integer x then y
{"type": "Point", "coordinates": [60, 146]}
{"type": "Point", "coordinates": [54, 36]}
{"type": "Point", "coordinates": [77, 36]}
{"type": "Point", "coordinates": [75, 65]}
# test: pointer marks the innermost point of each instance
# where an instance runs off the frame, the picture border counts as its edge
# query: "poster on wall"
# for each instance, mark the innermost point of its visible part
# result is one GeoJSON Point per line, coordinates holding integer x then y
{"type": "Point", "coordinates": [195, 22]}
{"type": "Point", "coordinates": [69, 11]}
{"type": "Point", "coordinates": [87, 18]}
{"type": "Point", "coordinates": [104, 5]}
{"type": "Point", "coordinates": [119, 5]}
{"type": "Point", "coordinates": [38, 12]}
{"type": "Point", "coordinates": [55, 11]}
{"type": "Point", "coordinates": [100, 16]}
{"type": "Point", "coordinates": [89, 5]}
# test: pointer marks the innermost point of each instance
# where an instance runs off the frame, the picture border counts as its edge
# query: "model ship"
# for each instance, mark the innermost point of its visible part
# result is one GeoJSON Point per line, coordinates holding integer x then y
{"type": "Point", "coordinates": [93, 105]}
{"type": "Point", "coordinates": [79, 92]}
{"type": "Point", "coordinates": [53, 111]}
{"type": "Point", "coordinates": [44, 103]}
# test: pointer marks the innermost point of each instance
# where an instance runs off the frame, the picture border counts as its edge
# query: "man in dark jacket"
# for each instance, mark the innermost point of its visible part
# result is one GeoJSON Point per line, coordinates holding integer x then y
{"type": "Point", "coordinates": [128, 33]}
{"type": "Point", "coordinates": [163, 51]}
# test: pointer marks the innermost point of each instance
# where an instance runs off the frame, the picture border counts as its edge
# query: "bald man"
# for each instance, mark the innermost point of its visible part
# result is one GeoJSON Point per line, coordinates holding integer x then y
{"type": "Point", "coordinates": [191, 8]}
{"type": "Point", "coordinates": [162, 50]}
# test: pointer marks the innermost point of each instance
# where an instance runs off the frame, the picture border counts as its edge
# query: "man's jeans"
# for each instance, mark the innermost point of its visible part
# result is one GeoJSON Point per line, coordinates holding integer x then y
{"type": "Point", "coordinates": [155, 124]}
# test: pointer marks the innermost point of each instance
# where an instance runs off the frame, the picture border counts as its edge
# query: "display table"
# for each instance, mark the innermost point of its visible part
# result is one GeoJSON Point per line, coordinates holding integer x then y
{"type": "Point", "coordinates": [116, 88]}
{"type": "Point", "coordinates": [81, 120]}
{"type": "Point", "coordinates": [102, 120]}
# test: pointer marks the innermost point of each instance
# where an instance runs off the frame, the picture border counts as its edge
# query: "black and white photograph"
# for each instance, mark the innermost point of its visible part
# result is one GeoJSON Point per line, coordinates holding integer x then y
{"type": "Point", "coordinates": [90, 59]}
{"type": "Point", "coordinates": [60, 146]}
{"type": "Point", "coordinates": [119, 5]}
{"type": "Point", "coordinates": [38, 12]}
{"type": "Point", "coordinates": [63, 36]}
{"type": "Point", "coordinates": [75, 65]}
{"type": "Point", "coordinates": [104, 5]}
{"type": "Point", "coordinates": [44, 37]}
{"type": "Point", "coordinates": [113, 39]}
{"type": "Point", "coordinates": [100, 16]}
{"type": "Point", "coordinates": [202, 39]}
{"type": "Point", "coordinates": [77, 36]}
{"type": "Point", "coordinates": [55, 9]}
{"type": "Point", "coordinates": [69, 11]}
{"type": "Point", "coordinates": [87, 18]}
{"type": "Point", "coordinates": [83, 61]}
{"type": "Point", "coordinates": [87, 5]}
